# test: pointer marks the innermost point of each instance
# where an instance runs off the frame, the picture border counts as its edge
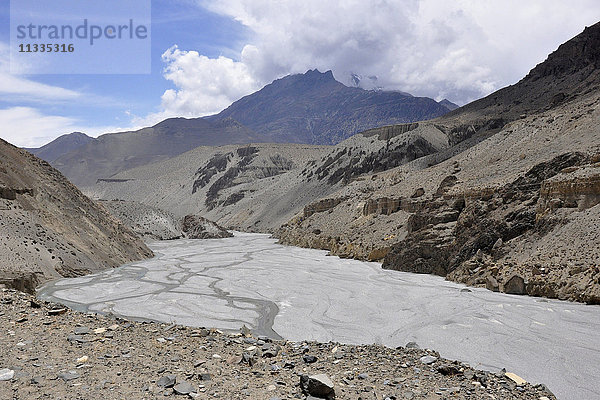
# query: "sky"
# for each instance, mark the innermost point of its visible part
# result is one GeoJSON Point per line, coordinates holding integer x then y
{"type": "Point", "coordinates": [207, 54]}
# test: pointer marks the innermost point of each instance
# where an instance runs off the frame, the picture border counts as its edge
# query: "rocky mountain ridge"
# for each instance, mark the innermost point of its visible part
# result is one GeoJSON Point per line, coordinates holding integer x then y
{"type": "Point", "coordinates": [49, 229]}
{"type": "Point", "coordinates": [61, 145]}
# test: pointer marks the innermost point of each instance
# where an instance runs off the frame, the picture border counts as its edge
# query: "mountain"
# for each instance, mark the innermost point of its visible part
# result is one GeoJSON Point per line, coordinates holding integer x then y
{"type": "Point", "coordinates": [49, 229]}
{"type": "Point", "coordinates": [501, 193]}
{"type": "Point", "coordinates": [449, 105]}
{"type": "Point", "coordinates": [61, 145]}
{"type": "Point", "coordinates": [315, 108]}
{"type": "Point", "coordinates": [310, 108]}
{"type": "Point", "coordinates": [114, 152]}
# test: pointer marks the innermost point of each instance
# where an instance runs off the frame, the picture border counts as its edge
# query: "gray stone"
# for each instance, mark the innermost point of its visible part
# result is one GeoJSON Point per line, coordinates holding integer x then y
{"type": "Point", "coordinates": [491, 284]}
{"type": "Point", "coordinates": [412, 345]}
{"type": "Point", "coordinates": [205, 377]}
{"type": "Point", "coordinates": [68, 376]}
{"type": "Point", "coordinates": [81, 330]}
{"type": "Point", "coordinates": [428, 359]}
{"type": "Point", "coordinates": [184, 388]}
{"type": "Point", "coordinates": [309, 359]}
{"type": "Point", "coordinates": [363, 376]}
{"type": "Point", "coordinates": [515, 285]}
{"type": "Point", "coordinates": [270, 350]}
{"type": "Point", "coordinates": [6, 374]}
{"type": "Point", "coordinates": [448, 369]}
{"type": "Point", "coordinates": [76, 339]}
{"type": "Point", "coordinates": [167, 381]}
{"type": "Point", "coordinates": [319, 386]}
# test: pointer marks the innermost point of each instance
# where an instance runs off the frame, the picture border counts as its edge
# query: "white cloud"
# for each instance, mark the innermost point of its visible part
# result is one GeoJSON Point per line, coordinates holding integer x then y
{"type": "Point", "coordinates": [20, 88]}
{"type": "Point", "coordinates": [462, 49]}
{"type": "Point", "coordinates": [204, 85]}
{"type": "Point", "coordinates": [29, 127]}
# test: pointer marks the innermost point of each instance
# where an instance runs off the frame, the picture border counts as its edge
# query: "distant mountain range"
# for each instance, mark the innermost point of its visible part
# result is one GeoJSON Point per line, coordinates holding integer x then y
{"type": "Point", "coordinates": [311, 108]}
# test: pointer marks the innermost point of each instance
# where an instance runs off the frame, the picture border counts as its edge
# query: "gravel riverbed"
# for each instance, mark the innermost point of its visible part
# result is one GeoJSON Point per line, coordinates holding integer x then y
{"type": "Point", "coordinates": [50, 352]}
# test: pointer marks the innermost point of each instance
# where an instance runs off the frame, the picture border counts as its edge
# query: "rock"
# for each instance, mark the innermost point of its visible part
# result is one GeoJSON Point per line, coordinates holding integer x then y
{"type": "Point", "coordinates": [82, 360]}
{"type": "Point", "coordinates": [245, 331]}
{"type": "Point", "coordinates": [408, 395]}
{"type": "Point", "coordinates": [319, 386]}
{"type": "Point", "coordinates": [412, 345]}
{"type": "Point", "coordinates": [82, 330]}
{"type": "Point", "coordinates": [363, 376]}
{"type": "Point", "coordinates": [448, 369]}
{"type": "Point", "coordinates": [515, 285]}
{"type": "Point", "coordinates": [184, 388]}
{"type": "Point", "coordinates": [204, 377]}
{"type": "Point", "coordinates": [491, 284]}
{"type": "Point", "coordinates": [57, 311]}
{"type": "Point", "coordinates": [309, 359]}
{"type": "Point", "coordinates": [515, 378]}
{"type": "Point", "coordinates": [167, 381]}
{"type": "Point", "coordinates": [418, 193]}
{"type": "Point", "coordinates": [497, 246]}
{"type": "Point", "coordinates": [68, 376]}
{"type": "Point", "coordinates": [6, 374]}
{"type": "Point", "coordinates": [196, 227]}
{"type": "Point", "coordinates": [428, 359]}
{"type": "Point", "coordinates": [76, 339]}
{"type": "Point", "coordinates": [270, 350]}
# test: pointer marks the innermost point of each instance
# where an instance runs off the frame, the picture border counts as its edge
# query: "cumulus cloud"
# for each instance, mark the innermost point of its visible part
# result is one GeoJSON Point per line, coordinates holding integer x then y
{"type": "Point", "coordinates": [204, 85]}
{"type": "Point", "coordinates": [462, 49]}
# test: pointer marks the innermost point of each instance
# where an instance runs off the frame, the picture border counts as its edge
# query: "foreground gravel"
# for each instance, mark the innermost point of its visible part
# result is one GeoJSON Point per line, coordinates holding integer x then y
{"type": "Point", "coordinates": [49, 352]}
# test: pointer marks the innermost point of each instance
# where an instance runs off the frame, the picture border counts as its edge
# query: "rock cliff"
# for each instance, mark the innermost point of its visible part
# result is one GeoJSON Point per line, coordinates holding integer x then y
{"type": "Point", "coordinates": [49, 229]}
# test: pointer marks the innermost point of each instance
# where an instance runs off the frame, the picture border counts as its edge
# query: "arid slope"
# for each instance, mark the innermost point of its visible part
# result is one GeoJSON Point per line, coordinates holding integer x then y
{"type": "Point", "coordinates": [49, 229]}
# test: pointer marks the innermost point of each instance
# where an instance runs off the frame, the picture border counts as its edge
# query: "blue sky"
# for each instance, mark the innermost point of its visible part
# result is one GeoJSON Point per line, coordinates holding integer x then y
{"type": "Point", "coordinates": [226, 49]}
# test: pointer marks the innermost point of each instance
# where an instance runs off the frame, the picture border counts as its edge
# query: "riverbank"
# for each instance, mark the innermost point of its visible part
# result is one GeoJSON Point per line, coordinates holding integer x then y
{"type": "Point", "coordinates": [48, 351]}
{"type": "Point", "coordinates": [302, 294]}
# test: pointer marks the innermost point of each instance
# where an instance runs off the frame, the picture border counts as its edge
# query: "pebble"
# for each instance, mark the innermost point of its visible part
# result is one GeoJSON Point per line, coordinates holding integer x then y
{"type": "Point", "coordinates": [82, 330]}
{"type": "Point", "coordinates": [6, 374]}
{"type": "Point", "coordinates": [184, 388]}
{"type": "Point", "coordinates": [515, 378]}
{"type": "Point", "coordinates": [166, 381]}
{"type": "Point", "coordinates": [309, 359]}
{"type": "Point", "coordinates": [428, 359]}
{"type": "Point", "coordinates": [68, 376]}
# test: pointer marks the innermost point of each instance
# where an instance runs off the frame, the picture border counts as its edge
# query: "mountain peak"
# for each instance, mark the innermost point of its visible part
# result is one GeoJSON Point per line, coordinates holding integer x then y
{"type": "Point", "coordinates": [316, 73]}
{"type": "Point", "coordinates": [580, 53]}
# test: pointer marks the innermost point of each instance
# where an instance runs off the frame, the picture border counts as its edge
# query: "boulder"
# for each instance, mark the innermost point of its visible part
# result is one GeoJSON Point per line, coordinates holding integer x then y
{"type": "Point", "coordinates": [319, 386]}
{"type": "Point", "coordinates": [196, 227]}
{"type": "Point", "coordinates": [491, 284]}
{"type": "Point", "coordinates": [515, 285]}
